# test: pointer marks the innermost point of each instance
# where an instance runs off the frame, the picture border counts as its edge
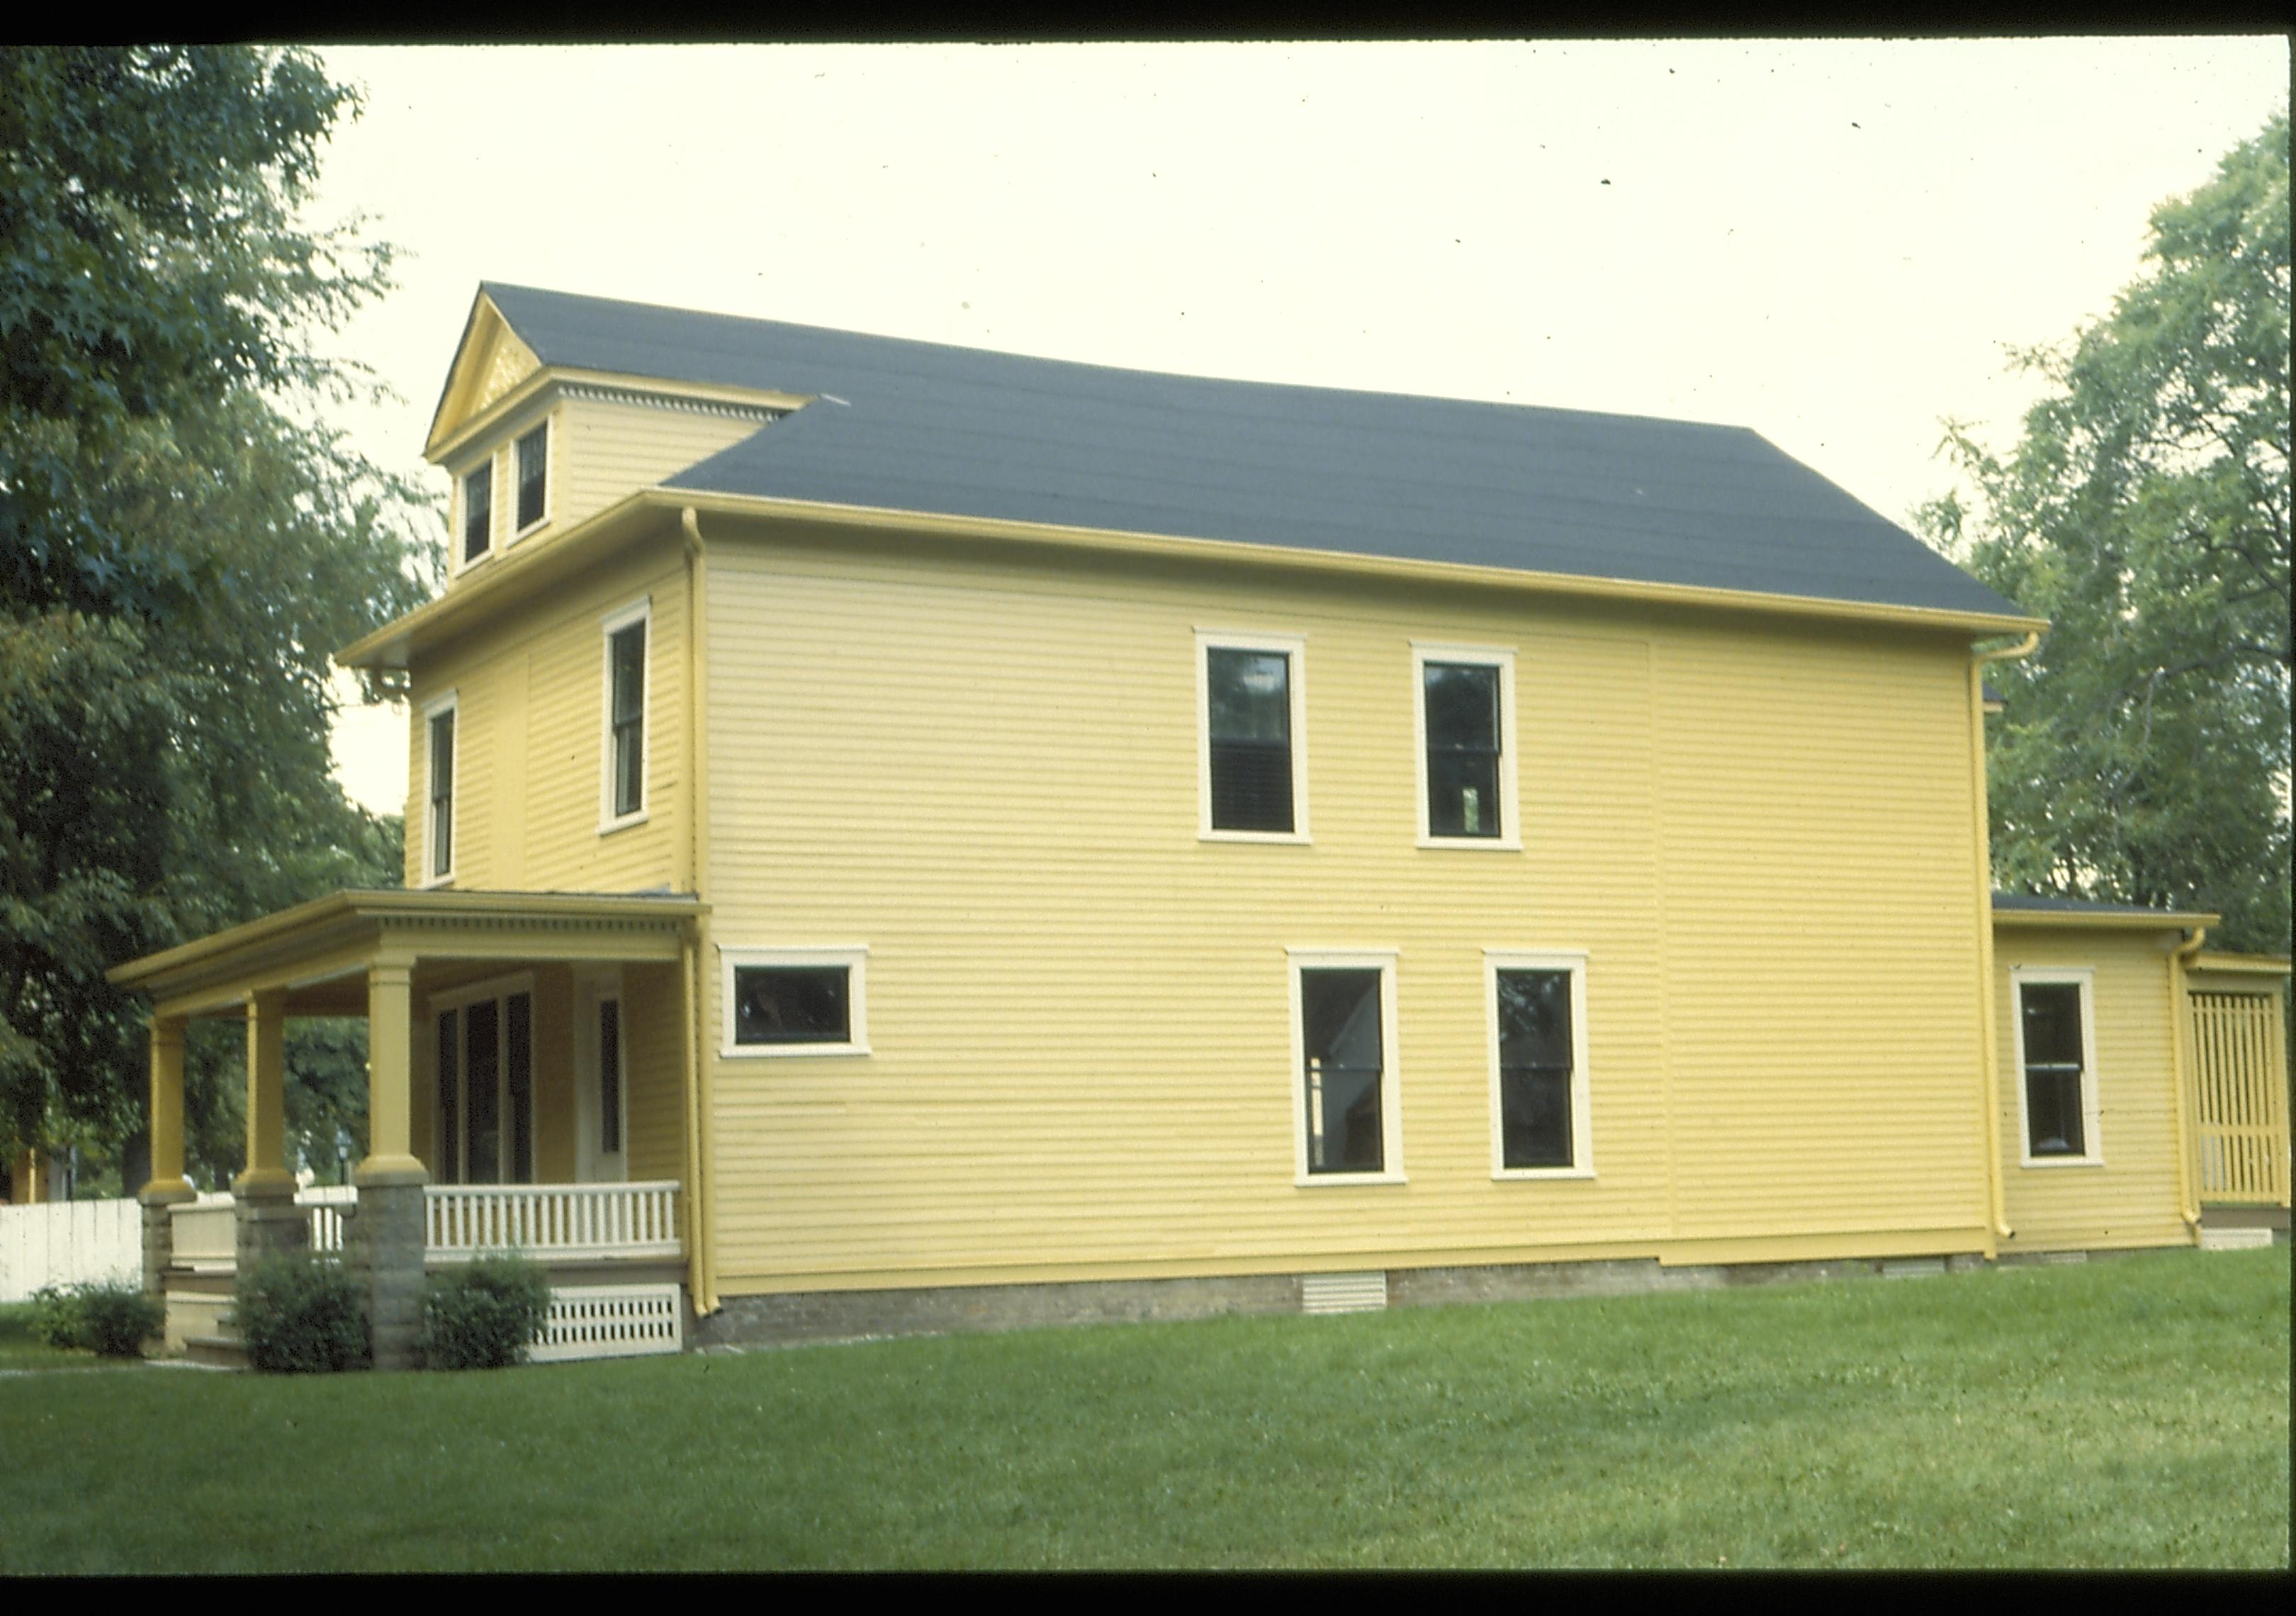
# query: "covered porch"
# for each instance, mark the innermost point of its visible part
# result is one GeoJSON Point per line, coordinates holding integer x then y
{"type": "Point", "coordinates": [532, 1066]}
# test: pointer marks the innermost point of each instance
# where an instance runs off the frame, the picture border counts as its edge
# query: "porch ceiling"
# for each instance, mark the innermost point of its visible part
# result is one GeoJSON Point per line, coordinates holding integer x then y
{"type": "Point", "coordinates": [319, 952]}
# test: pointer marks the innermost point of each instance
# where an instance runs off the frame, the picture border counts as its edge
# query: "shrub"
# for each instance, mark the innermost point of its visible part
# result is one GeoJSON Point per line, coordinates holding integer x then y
{"type": "Point", "coordinates": [300, 1315]}
{"type": "Point", "coordinates": [117, 1319]}
{"type": "Point", "coordinates": [57, 1319]}
{"type": "Point", "coordinates": [485, 1315]}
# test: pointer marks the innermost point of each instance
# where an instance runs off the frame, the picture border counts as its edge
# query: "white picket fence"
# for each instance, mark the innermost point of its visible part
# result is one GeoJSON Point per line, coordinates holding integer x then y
{"type": "Point", "coordinates": [69, 1243]}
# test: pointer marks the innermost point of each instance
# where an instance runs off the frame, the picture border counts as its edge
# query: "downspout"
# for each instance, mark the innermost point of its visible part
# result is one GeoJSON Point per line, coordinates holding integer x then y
{"type": "Point", "coordinates": [1997, 1229]}
{"type": "Point", "coordinates": [700, 1156]}
{"type": "Point", "coordinates": [2179, 1030]}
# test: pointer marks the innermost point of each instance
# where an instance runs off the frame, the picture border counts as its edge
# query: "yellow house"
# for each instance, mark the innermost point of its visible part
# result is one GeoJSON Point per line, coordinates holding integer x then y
{"type": "Point", "coordinates": [901, 837]}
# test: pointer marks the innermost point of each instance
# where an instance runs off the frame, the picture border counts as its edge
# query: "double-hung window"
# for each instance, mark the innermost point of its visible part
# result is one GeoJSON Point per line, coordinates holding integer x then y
{"type": "Point", "coordinates": [532, 464]}
{"type": "Point", "coordinates": [439, 791]}
{"type": "Point", "coordinates": [623, 800]}
{"type": "Point", "coordinates": [1346, 1091]}
{"type": "Point", "coordinates": [1251, 707]}
{"type": "Point", "coordinates": [2056, 1041]}
{"type": "Point", "coordinates": [478, 511]}
{"type": "Point", "coordinates": [794, 1001]}
{"type": "Point", "coordinates": [1464, 705]}
{"type": "Point", "coordinates": [1539, 1091]}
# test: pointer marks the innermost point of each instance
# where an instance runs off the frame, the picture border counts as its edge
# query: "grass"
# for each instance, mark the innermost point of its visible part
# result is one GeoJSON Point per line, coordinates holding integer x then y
{"type": "Point", "coordinates": [2131, 1412]}
{"type": "Point", "coordinates": [19, 1350]}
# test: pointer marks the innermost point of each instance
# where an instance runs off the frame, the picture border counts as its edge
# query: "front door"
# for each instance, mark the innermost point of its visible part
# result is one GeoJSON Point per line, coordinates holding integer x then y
{"type": "Point", "coordinates": [600, 1084]}
{"type": "Point", "coordinates": [485, 1103]}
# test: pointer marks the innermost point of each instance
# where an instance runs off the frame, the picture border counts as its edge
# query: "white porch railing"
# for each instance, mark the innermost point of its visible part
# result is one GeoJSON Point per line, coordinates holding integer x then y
{"type": "Point", "coordinates": [327, 1206]}
{"type": "Point", "coordinates": [566, 1220]}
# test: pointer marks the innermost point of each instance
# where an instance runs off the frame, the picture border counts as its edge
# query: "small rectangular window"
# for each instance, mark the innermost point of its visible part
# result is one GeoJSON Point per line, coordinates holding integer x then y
{"type": "Point", "coordinates": [2058, 1086]}
{"type": "Point", "coordinates": [795, 1001]}
{"type": "Point", "coordinates": [625, 788]}
{"type": "Point", "coordinates": [609, 1076]}
{"type": "Point", "coordinates": [1466, 699]}
{"type": "Point", "coordinates": [478, 512]}
{"type": "Point", "coordinates": [448, 1166]}
{"type": "Point", "coordinates": [441, 819]}
{"type": "Point", "coordinates": [1539, 1091]}
{"type": "Point", "coordinates": [533, 475]}
{"type": "Point", "coordinates": [1253, 766]}
{"type": "Point", "coordinates": [1345, 1093]}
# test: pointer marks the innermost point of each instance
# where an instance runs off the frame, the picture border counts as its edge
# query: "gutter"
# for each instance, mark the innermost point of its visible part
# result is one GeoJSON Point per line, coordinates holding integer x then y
{"type": "Point", "coordinates": [701, 1091]}
{"type": "Point", "coordinates": [1997, 1228]}
{"type": "Point", "coordinates": [2179, 1029]}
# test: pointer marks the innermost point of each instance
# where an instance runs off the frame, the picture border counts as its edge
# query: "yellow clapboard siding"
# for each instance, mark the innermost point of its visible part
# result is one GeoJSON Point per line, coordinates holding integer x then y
{"type": "Point", "coordinates": [612, 448]}
{"type": "Point", "coordinates": [2131, 1200]}
{"type": "Point", "coordinates": [986, 771]}
{"type": "Point", "coordinates": [530, 696]}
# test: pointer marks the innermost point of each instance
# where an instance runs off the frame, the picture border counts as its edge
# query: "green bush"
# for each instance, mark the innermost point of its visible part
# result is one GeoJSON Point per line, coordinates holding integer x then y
{"type": "Point", "coordinates": [57, 1319]}
{"type": "Point", "coordinates": [301, 1314]}
{"type": "Point", "coordinates": [117, 1319]}
{"type": "Point", "coordinates": [484, 1314]}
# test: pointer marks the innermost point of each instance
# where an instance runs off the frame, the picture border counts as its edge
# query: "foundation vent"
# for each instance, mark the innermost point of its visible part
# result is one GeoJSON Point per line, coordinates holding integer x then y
{"type": "Point", "coordinates": [1343, 1292]}
{"type": "Point", "coordinates": [612, 1321]}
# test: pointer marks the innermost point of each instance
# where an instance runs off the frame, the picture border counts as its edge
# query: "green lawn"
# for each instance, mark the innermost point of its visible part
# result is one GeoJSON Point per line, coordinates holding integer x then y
{"type": "Point", "coordinates": [19, 1350]}
{"type": "Point", "coordinates": [2125, 1413]}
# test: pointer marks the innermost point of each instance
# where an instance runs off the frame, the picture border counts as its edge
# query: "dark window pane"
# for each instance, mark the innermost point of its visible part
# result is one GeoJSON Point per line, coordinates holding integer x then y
{"type": "Point", "coordinates": [1535, 1061]}
{"type": "Point", "coordinates": [1340, 1031]}
{"type": "Point", "coordinates": [519, 1059]}
{"type": "Point", "coordinates": [1463, 750]}
{"type": "Point", "coordinates": [1250, 693]}
{"type": "Point", "coordinates": [792, 1004]}
{"type": "Point", "coordinates": [533, 464]}
{"type": "Point", "coordinates": [482, 1051]}
{"type": "Point", "coordinates": [2053, 1028]}
{"type": "Point", "coordinates": [609, 1076]}
{"type": "Point", "coordinates": [1463, 708]}
{"type": "Point", "coordinates": [2053, 1107]}
{"type": "Point", "coordinates": [1462, 794]}
{"type": "Point", "coordinates": [448, 1165]}
{"type": "Point", "coordinates": [478, 512]}
{"type": "Point", "coordinates": [442, 794]}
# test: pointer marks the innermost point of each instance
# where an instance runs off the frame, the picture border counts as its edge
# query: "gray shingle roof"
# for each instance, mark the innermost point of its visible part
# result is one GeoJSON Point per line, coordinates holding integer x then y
{"type": "Point", "coordinates": [928, 428]}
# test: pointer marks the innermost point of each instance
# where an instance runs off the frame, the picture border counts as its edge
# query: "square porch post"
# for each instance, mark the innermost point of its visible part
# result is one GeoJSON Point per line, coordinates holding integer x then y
{"type": "Point", "coordinates": [168, 1187]}
{"type": "Point", "coordinates": [269, 1221]}
{"type": "Point", "coordinates": [384, 1244]}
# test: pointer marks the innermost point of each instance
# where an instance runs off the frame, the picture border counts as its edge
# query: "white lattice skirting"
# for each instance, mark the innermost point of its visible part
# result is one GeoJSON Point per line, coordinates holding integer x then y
{"type": "Point", "coordinates": [1343, 1292]}
{"type": "Point", "coordinates": [612, 1321]}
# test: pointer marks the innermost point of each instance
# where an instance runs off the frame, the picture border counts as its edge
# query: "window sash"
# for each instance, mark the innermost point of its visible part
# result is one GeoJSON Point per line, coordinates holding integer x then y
{"type": "Point", "coordinates": [1343, 1090]}
{"type": "Point", "coordinates": [609, 1076]}
{"type": "Point", "coordinates": [442, 792]}
{"type": "Point", "coordinates": [533, 475]}
{"type": "Point", "coordinates": [628, 718]}
{"type": "Point", "coordinates": [2053, 1040]}
{"type": "Point", "coordinates": [1250, 737]}
{"type": "Point", "coordinates": [808, 1005]}
{"type": "Point", "coordinates": [1463, 748]}
{"type": "Point", "coordinates": [478, 512]}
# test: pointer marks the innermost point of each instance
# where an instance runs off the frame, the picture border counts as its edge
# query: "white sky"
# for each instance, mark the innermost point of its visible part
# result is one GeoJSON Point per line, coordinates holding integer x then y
{"type": "Point", "coordinates": [1834, 242]}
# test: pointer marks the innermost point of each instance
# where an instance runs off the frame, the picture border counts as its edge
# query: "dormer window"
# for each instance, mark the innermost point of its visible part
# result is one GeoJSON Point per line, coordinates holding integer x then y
{"type": "Point", "coordinates": [533, 475]}
{"type": "Point", "coordinates": [478, 512]}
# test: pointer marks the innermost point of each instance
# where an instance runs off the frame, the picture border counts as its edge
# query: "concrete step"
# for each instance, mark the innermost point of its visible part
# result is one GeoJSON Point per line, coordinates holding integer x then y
{"type": "Point", "coordinates": [216, 1352]}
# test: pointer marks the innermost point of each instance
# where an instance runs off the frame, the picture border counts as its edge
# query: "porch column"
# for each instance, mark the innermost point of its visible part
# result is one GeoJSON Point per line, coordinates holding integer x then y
{"type": "Point", "coordinates": [167, 1186]}
{"type": "Point", "coordinates": [269, 1221]}
{"type": "Point", "coordinates": [384, 1244]}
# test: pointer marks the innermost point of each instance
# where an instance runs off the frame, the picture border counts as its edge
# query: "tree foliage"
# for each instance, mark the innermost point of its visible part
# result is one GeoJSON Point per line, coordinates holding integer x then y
{"type": "Point", "coordinates": [2144, 753]}
{"type": "Point", "coordinates": [182, 542]}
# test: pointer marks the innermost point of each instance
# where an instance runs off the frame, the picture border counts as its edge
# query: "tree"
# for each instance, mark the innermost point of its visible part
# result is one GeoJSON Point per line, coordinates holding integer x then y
{"type": "Point", "coordinates": [183, 541]}
{"type": "Point", "coordinates": [2143, 752]}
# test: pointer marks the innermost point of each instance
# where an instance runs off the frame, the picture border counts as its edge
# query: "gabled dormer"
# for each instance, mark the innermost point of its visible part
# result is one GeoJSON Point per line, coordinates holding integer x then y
{"type": "Point", "coordinates": [532, 447]}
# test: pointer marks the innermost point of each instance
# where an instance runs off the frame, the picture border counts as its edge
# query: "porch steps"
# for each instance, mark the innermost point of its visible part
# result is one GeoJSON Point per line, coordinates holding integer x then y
{"type": "Point", "coordinates": [216, 1352]}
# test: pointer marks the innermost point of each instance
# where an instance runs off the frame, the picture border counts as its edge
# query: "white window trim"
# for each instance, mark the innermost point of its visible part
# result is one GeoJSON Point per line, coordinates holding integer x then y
{"type": "Point", "coordinates": [1582, 1135]}
{"type": "Point", "coordinates": [498, 989]}
{"type": "Point", "coordinates": [2083, 977]}
{"type": "Point", "coordinates": [492, 464]}
{"type": "Point", "coordinates": [1500, 657]}
{"type": "Point", "coordinates": [1391, 1082]}
{"type": "Point", "coordinates": [547, 426]}
{"type": "Point", "coordinates": [1295, 648]}
{"type": "Point", "coordinates": [446, 704]}
{"type": "Point", "coordinates": [612, 623]}
{"type": "Point", "coordinates": [854, 955]}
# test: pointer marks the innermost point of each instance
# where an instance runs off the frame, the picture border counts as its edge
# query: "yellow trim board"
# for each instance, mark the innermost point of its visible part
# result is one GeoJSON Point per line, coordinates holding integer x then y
{"type": "Point", "coordinates": [2257, 964]}
{"type": "Point", "coordinates": [2062, 919]}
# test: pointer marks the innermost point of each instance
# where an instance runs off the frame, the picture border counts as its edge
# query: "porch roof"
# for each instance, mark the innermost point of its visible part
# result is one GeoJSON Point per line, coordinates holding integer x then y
{"type": "Point", "coordinates": [319, 952]}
